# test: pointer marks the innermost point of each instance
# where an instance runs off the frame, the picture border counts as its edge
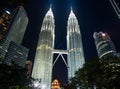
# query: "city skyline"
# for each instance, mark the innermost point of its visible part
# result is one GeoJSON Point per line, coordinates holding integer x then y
{"type": "Point", "coordinates": [99, 26]}
{"type": "Point", "coordinates": [99, 23]}
{"type": "Point", "coordinates": [92, 16]}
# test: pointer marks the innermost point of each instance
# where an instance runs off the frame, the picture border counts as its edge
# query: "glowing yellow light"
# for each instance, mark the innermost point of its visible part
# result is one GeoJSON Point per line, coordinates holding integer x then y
{"type": "Point", "coordinates": [55, 84]}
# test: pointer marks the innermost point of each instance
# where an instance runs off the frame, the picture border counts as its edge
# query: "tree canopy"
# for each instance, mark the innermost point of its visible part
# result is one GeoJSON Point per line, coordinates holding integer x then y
{"type": "Point", "coordinates": [97, 74]}
{"type": "Point", "coordinates": [12, 77]}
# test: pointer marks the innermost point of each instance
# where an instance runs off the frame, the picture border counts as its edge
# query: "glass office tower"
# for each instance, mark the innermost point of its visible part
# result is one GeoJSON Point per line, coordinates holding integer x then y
{"type": "Point", "coordinates": [18, 25]}
{"type": "Point", "coordinates": [74, 46]}
{"type": "Point", "coordinates": [16, 30]}
{"type": "Point", "coordinates": [16, 55]}
{"type": "Point", "coordinates": [42, 68]}
{"type": "Point", "coordinates": [104, 45]}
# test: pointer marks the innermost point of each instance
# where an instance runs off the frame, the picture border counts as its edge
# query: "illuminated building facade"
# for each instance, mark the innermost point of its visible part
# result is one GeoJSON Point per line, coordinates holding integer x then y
{"type": "Point", "coordinates": [19, 21]}
{"type": "Point", "coordinates": [42, 68]}
{"type": "Point", "coordinates": [74, 46]}
{"type": "Point", "coordinates": [4, 22]}
{"type": "Point", "coordinates": [16, 30]}
{"type": "Point", "coordinates": [104, 45]}
{"type": "Point", "coordinates": [43, 63]}
{"type": "Point", "coordinates": [16, 55]}
{"type": "Point", "coordinates": [116, 6]}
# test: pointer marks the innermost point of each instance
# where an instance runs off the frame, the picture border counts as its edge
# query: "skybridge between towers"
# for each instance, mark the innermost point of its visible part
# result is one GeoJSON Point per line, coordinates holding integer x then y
{"type": "Point", "coordinates": [60, 54]}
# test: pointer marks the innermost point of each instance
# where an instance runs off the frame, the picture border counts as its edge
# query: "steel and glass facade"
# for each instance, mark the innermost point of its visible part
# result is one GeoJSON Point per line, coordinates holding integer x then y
{"type": "Point", "coordinates": [42, 68]}
{"type": "Point", "coordinates": [104, 45]}
{"type": "Point", "coordinates": [43, 63]}
{"type": "Point", "coordinates": [19, 21]}
{"type": "Point", "coordinates": [74, 46]}
{"type": "Point", "coordinates": [16, 55]}
{"type": "Point", "coordinates": [4, 24]}
{"type": "Point", "coordinates": [16, 30]}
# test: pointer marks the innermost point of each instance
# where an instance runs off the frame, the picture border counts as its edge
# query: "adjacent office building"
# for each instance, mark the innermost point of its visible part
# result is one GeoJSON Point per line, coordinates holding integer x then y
{"type": "Point", "coordinates": [4, 22]}
{"type": "Point", "coordinates": [16, 29]}
{"type": "Point", "coordinates": [16, 55]}
{"type": "Point", "coordinates": [104, 45]}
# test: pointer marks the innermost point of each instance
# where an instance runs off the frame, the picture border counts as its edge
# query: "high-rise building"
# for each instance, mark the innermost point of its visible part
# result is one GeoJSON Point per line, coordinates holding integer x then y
{"type": "Point", "coordinates": [74, 46]}
{"type": "Point", "coordinates": [42, 68]}
{"type": "Point", "coordinates": [16, 30]}
{"type": "Point", "coordinates": [4, 22]}
{"type": "Point", "coordinates": [104, 45]}
{"type": "Point", "coordinates": [43, 63]}
{"type": "Point", "coordinates": [116, 6]}
{"type": "Point", "coordinates": [16, 55]}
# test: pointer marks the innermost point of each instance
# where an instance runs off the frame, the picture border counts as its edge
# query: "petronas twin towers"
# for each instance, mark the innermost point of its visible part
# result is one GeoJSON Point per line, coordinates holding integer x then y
{"type": "Point", "coordinates": [43, 63]}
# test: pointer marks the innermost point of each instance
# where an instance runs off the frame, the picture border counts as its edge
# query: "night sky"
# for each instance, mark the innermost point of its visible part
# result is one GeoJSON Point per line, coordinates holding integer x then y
{"type": "Point", "coordinates": [92, 15]}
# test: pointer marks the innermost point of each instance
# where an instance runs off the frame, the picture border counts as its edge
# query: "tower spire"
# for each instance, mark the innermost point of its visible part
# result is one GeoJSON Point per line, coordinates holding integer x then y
{"type": "Point", "coordinates": [71, 8]}
{"type": "Point", "coordinates": [50, 11]}
{"type": "Point", "coordinates": [71, 15]}
{"type": "Point", "coordinates": [51, 5]}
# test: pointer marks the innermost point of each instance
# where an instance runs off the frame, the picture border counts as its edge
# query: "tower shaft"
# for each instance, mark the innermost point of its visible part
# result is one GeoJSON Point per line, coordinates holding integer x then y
{"type": "Point", "coordinates": [43, 59]}
{"type": "Point", "coordinates": [74, 46]}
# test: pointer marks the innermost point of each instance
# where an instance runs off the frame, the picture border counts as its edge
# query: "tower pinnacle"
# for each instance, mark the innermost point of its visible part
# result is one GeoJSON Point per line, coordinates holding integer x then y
{"type": "Point", "coordinates": [72, 15]}
{"type": "Point", "coordinates": [50, 11]}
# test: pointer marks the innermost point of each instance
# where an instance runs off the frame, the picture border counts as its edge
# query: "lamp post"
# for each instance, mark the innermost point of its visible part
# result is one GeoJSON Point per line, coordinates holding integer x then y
{"type": "Point", "coordinates": [36, 84]}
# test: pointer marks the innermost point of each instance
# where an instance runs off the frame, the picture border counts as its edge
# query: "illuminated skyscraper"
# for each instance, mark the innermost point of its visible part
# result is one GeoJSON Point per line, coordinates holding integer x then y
{"type": "Point", "coordinates": [74, 46]}
{"type": "Point", "coordinates": [16, 29]}
{"type": "Point", "coordinates": [104, 45]}
{"type": "Point", "coordinates": [116, 6]}
{"type": "Point", "coordinates": [43, 63]}
{"type": "Point", "coordinates": [42, 68]}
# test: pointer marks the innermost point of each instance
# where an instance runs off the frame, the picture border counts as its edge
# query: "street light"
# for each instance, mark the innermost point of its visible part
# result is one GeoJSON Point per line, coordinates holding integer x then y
{"type": "Point", "coordinates": [43, 86]}
{"type": "Point", "coordinates": [36, 84]}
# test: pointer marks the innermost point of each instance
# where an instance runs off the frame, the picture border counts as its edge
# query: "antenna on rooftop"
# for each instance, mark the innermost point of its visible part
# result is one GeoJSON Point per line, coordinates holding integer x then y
{"type": "Point", "coordinates": [51, 5]}
{"type": "Point", "coordinates": [71, 8]}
